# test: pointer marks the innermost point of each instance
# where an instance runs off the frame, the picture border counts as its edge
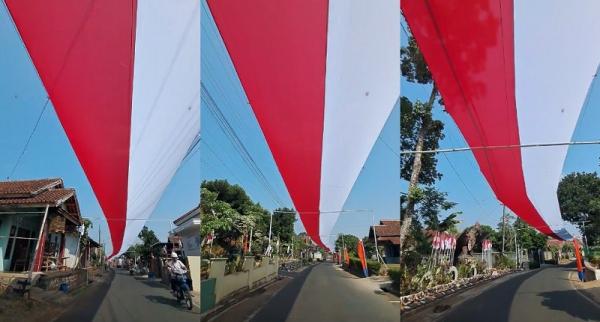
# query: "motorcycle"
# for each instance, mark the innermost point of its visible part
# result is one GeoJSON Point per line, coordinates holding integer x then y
{"type": "Point", "coordinates": [183, 291]}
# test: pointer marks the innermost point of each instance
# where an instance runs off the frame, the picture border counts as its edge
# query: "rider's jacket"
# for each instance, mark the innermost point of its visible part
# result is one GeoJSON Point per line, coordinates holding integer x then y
{"type": "Point", "coordinates": [177, 267]}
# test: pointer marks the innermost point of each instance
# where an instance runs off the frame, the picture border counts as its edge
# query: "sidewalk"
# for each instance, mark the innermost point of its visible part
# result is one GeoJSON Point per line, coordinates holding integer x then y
{"type": "Point", "coordinates": [589, 290]}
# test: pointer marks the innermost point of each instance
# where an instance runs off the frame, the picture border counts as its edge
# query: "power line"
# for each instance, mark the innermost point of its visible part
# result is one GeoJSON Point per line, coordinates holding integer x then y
{"type": "Point", "coordinates": [510, 146]}
{"type": "Point", "coordinates": [37, 122]}
{"type": "Point", "coordinates": [237, 143]}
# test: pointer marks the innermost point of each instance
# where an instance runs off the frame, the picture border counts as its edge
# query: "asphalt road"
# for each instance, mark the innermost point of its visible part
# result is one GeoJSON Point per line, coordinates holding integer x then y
{"type": "Point", "coordinates": [545, 295]}
{"type": "Point", "coordinates": [325, 293]}
{"type": "Point", "coordinates": [128, 299]}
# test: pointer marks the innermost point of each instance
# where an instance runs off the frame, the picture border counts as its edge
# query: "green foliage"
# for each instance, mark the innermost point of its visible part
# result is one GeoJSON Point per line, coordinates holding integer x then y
{"type": "Point", "coordinates": [579, 194]}
{"type": "Point", "coordinates": [373, 267]}
{"type": "Point", "coordinates": [350, 241]}
{"type": "Point", "coordinates": [414, 116]}
{"type": "Point", "coordinates": [503, 262]}
{"type": "Point", "coordinates": [229, 212]}
{"type": "Point", "coordinates": [394, 275]}
{"type": "Point", "coordinates": [527, 237]}
{"type": "Point", "coordinates": [429, 207]}
{"type": "Point", "coordinates": [148, 238]}
{"type": "Point", "coordinates": [283, 223]}
{"type": "Point", "coordinates": [413, 65]}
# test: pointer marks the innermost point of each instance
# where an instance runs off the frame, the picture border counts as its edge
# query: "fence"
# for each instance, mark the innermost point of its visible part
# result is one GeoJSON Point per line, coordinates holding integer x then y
{"type": "Point", "coordinates": [249, 278]}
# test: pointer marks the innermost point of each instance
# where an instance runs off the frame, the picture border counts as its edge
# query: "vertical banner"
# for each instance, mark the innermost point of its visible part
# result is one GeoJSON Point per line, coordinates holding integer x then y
{"type": "Point", "coordinates": [346, 257]}
{"type": "Point", "coordinates": [579, 259]}
{"type": "Point", "coordinates": [362, 257]}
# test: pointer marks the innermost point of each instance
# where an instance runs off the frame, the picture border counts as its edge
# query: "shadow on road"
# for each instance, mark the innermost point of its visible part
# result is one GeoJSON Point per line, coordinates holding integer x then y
{"type": "Point", "coordinates": [479, 306]}
{"type": "Point", "coordinates": [84, 308]}
{"type": "Point", "coordinates": [564, 301]}
{"type": "Point", "coordinates": [280, 306]}
{"type": "Point", "coordinates": [163, 300]}
{"type": "Point", "coordinates": [155, 284]}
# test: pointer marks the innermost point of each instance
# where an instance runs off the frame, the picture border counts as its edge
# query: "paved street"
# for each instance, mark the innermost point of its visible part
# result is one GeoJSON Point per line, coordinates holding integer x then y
{"type": "Point", "coordinates": [130, 299]}
{"type": "Point", "coordinates": [318, 293]}
{"type": "Point", "coordinates": [546, 295]}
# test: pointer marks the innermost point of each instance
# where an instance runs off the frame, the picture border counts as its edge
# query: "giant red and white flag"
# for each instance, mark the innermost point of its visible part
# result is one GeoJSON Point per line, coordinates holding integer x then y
{"type": "Point", "coordinates": [322, 78]}
{"type": "Point", "coordinates": [124, 79]}
{"type": "Point", "coordinates": [513, 73]}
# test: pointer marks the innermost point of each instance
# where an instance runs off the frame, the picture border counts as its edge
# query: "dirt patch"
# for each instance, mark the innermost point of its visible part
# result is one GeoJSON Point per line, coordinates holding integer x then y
{"type": "Point", "coordinates": [16, 309]}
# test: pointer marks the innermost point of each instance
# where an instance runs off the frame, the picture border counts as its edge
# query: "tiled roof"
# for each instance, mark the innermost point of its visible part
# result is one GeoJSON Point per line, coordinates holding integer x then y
{"type": "Point", "coordinates": [388, 228]}
{"type": "Point", "coordinates": [26, 188]}
{"type": "Point", "coordinates": [51, 197]}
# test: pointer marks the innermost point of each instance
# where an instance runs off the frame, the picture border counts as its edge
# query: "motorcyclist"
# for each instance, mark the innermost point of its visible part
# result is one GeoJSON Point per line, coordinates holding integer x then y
{"type": "Point", "coordinates": [177, 272]}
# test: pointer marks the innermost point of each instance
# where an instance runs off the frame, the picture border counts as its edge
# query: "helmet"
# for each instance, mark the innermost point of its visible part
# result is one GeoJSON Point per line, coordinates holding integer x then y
{"type": "Point", "coordinates": [174, 255]}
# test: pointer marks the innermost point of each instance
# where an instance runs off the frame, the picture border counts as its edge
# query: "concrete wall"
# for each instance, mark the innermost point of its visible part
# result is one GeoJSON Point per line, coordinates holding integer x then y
{"type": "Point", "coordinates": [194, 262]}
{"type": "Point", "coordinates": [71, 242]}
{"type": "Point", "coordinates": [250, 278]}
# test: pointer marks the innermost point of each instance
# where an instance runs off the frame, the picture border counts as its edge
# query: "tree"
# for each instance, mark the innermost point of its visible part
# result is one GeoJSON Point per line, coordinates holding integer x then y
{"type": "Point", "coordinates": [429, 206]}
{"type": "Point", "coordinates": [578, 196]}
{"type": "Point", "coordinates": [283, 223]}
{"type": "Point", "coordinates": [350, 241]}
{"type": "Point", "coordinates": [148, 238]}
{"type": "Point", "coordinates": [419, 131]}
{"type": "Point", "coordinates": [527, 237]}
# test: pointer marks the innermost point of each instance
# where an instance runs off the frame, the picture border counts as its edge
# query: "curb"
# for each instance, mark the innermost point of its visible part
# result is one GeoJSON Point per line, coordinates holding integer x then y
{"type": "Point", "coordinates": [423, 307]}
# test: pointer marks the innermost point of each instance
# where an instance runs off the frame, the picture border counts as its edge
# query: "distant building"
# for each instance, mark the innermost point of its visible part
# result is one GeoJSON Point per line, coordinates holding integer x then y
{"type": "Point", "coordinates": [187, 233]}
{"type": "Point", "coordinates": [28, 207]}
{"type": "Point", "coordinates": [388, 236]}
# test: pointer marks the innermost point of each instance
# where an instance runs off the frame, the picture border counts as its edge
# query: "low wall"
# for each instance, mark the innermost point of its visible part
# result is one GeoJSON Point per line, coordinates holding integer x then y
{"type": "Point", "coordinates": [591, 273]}
{"type": "Point", "coordinates": [74, 279]}
{"type": "Point", "coordinates": [249, 278]}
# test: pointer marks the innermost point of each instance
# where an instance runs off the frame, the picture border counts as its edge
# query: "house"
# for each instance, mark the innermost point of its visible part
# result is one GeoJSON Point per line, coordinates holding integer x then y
{"type": "Point", "coordinates": [39, 226]}
{"type": "Point", "coordinates": [187, 234]}
{"type": "Point", "coordinates": [90, 253]}
{"type": "Point", "coordinates": [388, 236]}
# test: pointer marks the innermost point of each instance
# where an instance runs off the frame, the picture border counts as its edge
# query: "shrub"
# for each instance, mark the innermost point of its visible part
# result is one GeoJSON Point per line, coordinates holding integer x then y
{"type": "Point", "coordinates": [503, 262]}
{"type": "Point", "coordinates": [373, 267]}
{"type": "Point", "coordinates": [395, 277]}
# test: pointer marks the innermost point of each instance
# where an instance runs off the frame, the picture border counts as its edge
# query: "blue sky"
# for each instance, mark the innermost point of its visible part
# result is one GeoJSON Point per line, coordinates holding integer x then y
{"type": "Point", "coordinates": [49, 153]}
{"type": "Point", "coordinates": [377, 188]}
{"type": "Point", "coordinates": [475, 198]}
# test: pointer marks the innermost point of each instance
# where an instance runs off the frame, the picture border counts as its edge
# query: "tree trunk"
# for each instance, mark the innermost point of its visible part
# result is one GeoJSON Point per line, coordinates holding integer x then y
{"type": "Point", "coordinates": [416, 170]}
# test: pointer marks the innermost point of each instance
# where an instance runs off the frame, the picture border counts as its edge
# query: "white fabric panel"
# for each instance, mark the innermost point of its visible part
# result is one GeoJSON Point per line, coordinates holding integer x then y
{"type": "Point", "coordinates": [556, 54]}
{"type": "Point", "coordinates": [362, 84]}
{"type": "Point", "coordinates": [166, 103]}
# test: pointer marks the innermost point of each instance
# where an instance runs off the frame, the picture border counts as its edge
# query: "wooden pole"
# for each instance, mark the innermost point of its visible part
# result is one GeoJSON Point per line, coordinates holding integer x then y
{"type": "Point", "coordinates": [37, 245]}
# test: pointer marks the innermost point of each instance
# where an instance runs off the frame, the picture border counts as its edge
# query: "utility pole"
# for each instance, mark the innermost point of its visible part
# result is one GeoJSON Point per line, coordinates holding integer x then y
{"type": "Point", "coordinates": [270, 228]}
{"type": "Point", "coordinates": [516, 248]}
{"type": "Point", "coordinates": [503, 225]}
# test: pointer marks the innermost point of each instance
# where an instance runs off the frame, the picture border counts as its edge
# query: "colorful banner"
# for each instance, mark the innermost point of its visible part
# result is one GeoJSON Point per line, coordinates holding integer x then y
{"type": "Point", "coordinates": [362, 257]}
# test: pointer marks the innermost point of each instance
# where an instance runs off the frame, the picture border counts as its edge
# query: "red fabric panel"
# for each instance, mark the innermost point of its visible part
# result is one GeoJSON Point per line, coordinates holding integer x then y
{"type": "Point", "coordinates": [470, 51]}
{"type": "Point", "coordinates": [278, 49]}
{"type": "Point", "coordinates": [83, 52]}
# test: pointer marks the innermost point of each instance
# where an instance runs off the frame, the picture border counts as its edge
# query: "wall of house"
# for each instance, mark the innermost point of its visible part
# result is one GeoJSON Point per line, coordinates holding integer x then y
{"type": "Point", "coordinates": [71, 243]}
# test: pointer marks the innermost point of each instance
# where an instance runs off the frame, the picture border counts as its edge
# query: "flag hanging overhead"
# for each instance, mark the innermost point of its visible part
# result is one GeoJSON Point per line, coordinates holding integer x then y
{"type": "Point", "coordinates": [322, 78]}
{"type": "Point", "coordinates": [124, 79]}
{"type": "Point", "coordinates": [512, 74]}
